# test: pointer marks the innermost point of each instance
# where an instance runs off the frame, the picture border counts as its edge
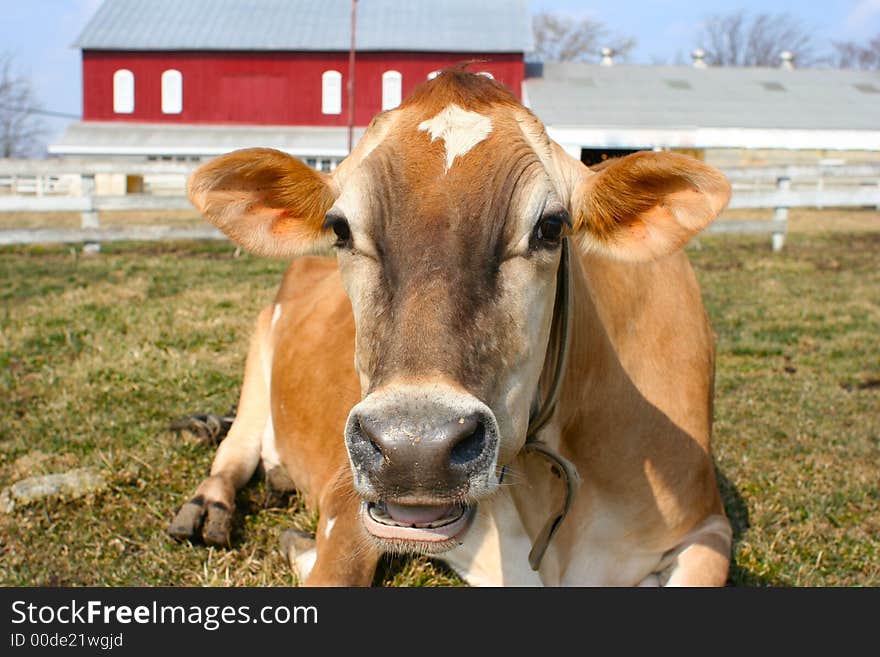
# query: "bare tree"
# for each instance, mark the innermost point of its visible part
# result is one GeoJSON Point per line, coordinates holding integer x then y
{"type": "Point", "coordinates": [562, 39]}
{"type": "Point", "coordinates": [21, 128]}
{"type": "Point", "coordinates": [849, 54]}
{"type": "Point", "coordinates": [737, 39]}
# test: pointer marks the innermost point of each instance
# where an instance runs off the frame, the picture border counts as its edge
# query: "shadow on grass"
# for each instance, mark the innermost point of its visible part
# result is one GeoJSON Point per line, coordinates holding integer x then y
{"type": "Point", "coordinates": [738, 513]}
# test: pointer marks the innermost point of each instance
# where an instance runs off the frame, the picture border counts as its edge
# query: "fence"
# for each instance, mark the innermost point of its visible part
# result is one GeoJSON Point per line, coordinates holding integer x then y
{"type": "Point", "coordinates": [47, 186]}
{"type": "Point", "coordinates": [70, 186]}
{"type": "Point", "coordinates": [798, 186]}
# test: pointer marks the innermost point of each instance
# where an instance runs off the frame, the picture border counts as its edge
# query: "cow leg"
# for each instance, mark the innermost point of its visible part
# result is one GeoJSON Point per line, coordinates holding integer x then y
{"type": "Point", "coordinates": [211, 508]}
{"type": "Point", "coordinates": [703, 557]}
{"type": "Point", "coordinates": [341, 554]}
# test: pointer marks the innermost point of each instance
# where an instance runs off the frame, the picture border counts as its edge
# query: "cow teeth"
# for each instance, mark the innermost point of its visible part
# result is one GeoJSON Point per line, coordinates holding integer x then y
{"type": "Point", "coordinates": [452, 517]}
{"type": "Point", "coordinates": [379, 513]}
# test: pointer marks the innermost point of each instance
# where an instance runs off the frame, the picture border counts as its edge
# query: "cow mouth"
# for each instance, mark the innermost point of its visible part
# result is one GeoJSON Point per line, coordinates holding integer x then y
{"type": "Point", "coordinates": [421, 528]}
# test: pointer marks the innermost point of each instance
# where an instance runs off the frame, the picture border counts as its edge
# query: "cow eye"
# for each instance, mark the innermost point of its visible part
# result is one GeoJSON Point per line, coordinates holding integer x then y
{"type": "Point", "coordinates": [549, 230]}
{"type": "Point", "coordinates": [339, 225]}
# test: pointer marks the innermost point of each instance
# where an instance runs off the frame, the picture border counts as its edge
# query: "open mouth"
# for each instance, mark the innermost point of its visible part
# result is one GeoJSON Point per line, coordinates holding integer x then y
{"type": "Point", "coordinates": [422, 527]}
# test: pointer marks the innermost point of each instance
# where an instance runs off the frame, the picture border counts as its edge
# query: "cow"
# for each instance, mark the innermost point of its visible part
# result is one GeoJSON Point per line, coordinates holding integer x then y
{"type": "Point", "coordinates": [507, 365]}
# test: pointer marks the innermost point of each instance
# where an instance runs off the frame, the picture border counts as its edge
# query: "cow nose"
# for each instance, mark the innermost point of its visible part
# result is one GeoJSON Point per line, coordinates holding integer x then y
{"type": "Point", "coordinates": [409, 457]}
{"type": "Point", "coordinates": [457, 442]}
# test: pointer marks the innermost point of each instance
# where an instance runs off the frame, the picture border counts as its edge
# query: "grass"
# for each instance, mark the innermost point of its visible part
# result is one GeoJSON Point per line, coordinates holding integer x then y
{"type": "Point", "coordinates": [22, 220]}
{"type": "Point", "coordinates": [98, 354]}
{"type": "Point", "coordinates": [797, 428]}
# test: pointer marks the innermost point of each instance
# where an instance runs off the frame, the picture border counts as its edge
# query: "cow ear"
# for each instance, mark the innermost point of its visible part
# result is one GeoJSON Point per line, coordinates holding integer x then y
{"type": "Point", "coordinates": [267, 201]}
{"type": "Point", "coordinates": [646, 205]}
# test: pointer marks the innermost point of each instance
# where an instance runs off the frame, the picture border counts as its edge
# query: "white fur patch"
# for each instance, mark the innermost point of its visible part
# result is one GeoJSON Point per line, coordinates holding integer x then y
{"type": "Point", "coordinates": [495, 551]}
{"type": "Point", "coordinates": [460, 130]}
{"type": "Point", "coordinates": [268, 452]}
{"type": "Point", "coordinates": [303, 564]}
{"type": "Point", "coordinates": [329, 527]}
{"type": "Point", "coordinates": [276, 314]}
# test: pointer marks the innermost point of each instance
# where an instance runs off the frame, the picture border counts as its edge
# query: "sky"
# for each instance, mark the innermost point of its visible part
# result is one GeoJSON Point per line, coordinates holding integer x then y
{"type": "Point", "coordinates": [39, 33]}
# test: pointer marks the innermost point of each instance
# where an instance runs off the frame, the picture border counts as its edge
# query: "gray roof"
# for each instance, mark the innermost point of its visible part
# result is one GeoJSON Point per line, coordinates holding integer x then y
{"type": "Point", "coordinates": [124, 138]}
{"type": "Point", "coordinates": [576, 94]}
{"type": "Point", "coordinates": [314, 25]}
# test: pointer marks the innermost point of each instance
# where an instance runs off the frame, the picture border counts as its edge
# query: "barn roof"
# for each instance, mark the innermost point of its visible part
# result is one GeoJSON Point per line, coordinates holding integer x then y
{"type": "Point", "coordinates": [96, 138]}
{"type": "Point", "coordinates": [311, 25]}
{"type": "Point", "coordinates": [630, 106]}
{"type": "Point", "coordinates": [672, 96]}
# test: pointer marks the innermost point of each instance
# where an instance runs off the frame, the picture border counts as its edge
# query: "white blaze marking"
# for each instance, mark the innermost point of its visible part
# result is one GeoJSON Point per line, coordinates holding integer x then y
{"type": "Point", "coordinates": [329, 527]}
{"type": "Point", "coordinates": [276, 314]}
{"type": "Point", "coordinates": [460, 129]}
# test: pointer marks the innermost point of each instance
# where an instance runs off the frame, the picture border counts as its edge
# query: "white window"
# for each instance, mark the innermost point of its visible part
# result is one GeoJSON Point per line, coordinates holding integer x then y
{"type": "Point", "coordinates": [172, 92]}
{"type": "Point", "coordinates": [331, 92]}
{"type": "Point", "coordinates": [433, 74]}
{"type": "Point", "coordinates": [123, 91]}
{"type": "Point", "coordinates": [322, 163]}
{"type": "Point", "coordinates": [392, 82]}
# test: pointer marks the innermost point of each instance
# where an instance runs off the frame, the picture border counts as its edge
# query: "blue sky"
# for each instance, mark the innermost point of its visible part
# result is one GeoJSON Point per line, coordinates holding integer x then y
{"type": "Point", "coordinates": [38, 33]}
{"type": "Point", "coordinates": [664, 29]}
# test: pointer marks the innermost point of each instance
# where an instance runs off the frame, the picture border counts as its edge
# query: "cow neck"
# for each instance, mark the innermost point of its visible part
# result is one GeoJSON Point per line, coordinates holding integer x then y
{"type": "Point", "coordinates": [557, 358]}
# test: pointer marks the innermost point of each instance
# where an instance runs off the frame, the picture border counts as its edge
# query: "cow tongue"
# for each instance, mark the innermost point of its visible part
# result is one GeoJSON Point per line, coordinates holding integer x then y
{"type": "Point", "coordinates": [417, 515]}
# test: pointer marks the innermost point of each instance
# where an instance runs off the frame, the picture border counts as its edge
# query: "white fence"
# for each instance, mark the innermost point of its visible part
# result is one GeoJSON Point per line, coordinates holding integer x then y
{"type": "Point", "coordinates": [797, 186]}
{"type": "Point", "coordinates": [42, 186]}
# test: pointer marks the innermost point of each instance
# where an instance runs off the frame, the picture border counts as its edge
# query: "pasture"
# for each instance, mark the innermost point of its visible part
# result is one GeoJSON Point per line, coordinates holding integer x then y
{"type": "Point", "coordinates": [99, 354]}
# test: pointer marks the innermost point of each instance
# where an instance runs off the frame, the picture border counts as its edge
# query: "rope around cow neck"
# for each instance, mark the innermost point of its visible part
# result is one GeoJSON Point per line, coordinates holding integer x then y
{"type": "Point", "coordinates": [559, 342]}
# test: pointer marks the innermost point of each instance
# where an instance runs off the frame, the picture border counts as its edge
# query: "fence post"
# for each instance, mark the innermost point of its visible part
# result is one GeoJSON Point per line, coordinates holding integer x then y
{"type": "Point", "coordinates": [873, 184]}
{"type": "Point", "coordinates": [780, 215]}
{"type": "Point", "coordinates": [90, 214]}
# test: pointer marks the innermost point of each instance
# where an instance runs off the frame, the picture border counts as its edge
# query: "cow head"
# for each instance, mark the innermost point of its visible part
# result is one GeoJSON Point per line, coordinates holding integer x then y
{"type": "Point", "coordinates": [447, 221]}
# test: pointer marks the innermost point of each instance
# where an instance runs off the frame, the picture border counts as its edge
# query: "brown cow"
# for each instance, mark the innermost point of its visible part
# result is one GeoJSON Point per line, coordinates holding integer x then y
{"type": "Point", "coordinates": [395, 387]}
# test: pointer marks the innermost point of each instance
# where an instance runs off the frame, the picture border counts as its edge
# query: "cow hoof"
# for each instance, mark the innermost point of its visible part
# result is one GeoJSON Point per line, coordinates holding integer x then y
{"type": "Point", "coordinates": [188, 519]}
{"type": "Point", "coordinates": [206, 427]}
{"type": "Point", "coordinates": [295, 542]}
{"type": "Point", "coordinates": [300, 549]}
{"type": "Point", "coordinates": [279, 481]}
{"type": "Point", "coordinates": [214, 519]}
{"type": "Point", "coordinates": [218, 525]}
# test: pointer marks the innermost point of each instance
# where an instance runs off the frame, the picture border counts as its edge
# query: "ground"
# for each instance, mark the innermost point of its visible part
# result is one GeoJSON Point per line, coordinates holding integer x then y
{"type": "Point", "coordinates": [100, 353]}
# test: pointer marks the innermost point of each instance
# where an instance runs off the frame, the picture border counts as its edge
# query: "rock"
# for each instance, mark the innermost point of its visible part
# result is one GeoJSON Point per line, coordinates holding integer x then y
{"type": "Point", "coordinates": [72, 484]}
{"type": "Point", "coordinates": [36, 462]}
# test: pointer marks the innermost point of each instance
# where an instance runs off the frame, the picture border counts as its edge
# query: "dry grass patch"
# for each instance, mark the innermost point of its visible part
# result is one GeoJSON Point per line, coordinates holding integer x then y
{"type": "Point", "coordinates": [99, 354]}
{"type": "Point", "coordinates": [815, 221]}
{"type": "Point", "coordinates": [26, 220]}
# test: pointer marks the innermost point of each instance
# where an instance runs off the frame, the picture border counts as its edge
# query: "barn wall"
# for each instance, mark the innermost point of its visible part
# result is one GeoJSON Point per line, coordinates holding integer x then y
{"type": "Point", "coordinates": [271, 88]}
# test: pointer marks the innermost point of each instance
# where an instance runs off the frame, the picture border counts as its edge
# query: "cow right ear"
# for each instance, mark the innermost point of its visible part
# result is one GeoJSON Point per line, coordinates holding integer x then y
{"type": "Point", "coordinates": [268, 202]}
{"type": "Point", "coordinates": [646, 205]}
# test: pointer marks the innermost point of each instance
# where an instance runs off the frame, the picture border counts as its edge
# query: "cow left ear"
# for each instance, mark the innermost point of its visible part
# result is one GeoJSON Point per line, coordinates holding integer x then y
{"type": "Point", "coordinates": [646, 205]}
{"type": "Point", "coordinates": [267, 201]}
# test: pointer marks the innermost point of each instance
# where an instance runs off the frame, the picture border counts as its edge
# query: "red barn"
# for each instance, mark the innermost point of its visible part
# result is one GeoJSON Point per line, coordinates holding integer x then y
{"type": "Point", "coordinates": [192, 78]}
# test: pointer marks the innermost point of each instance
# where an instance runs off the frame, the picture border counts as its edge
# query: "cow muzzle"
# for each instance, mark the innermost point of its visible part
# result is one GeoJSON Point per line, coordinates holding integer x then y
{"type": "Point", "coordinates": [422, 457]}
